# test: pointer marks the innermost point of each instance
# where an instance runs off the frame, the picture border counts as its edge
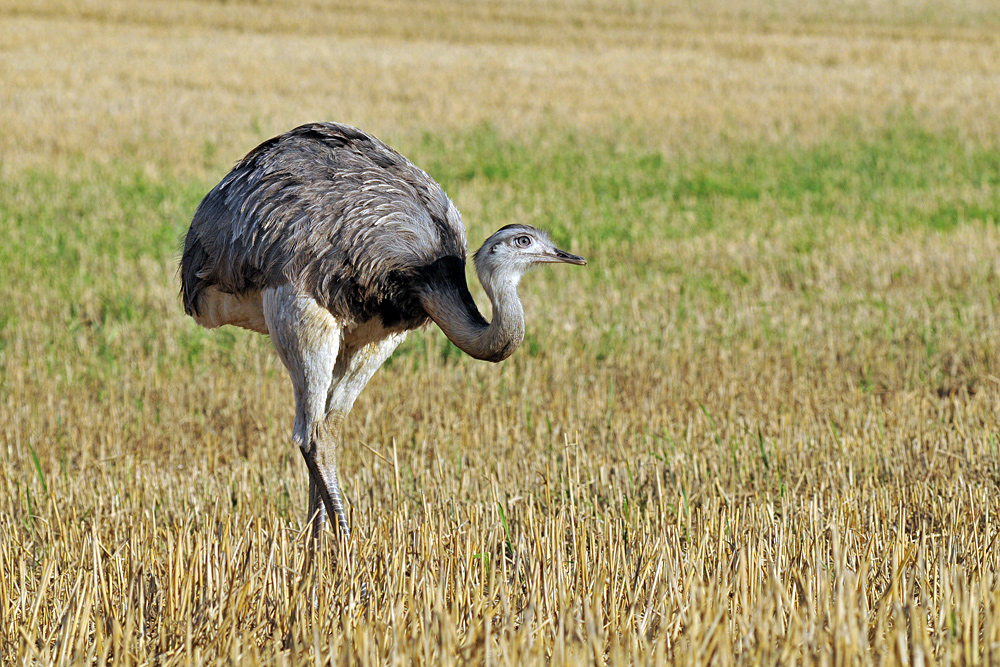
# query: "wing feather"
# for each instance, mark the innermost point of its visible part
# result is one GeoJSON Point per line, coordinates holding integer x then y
{"type": "Point", "coordinates": [328, 208]}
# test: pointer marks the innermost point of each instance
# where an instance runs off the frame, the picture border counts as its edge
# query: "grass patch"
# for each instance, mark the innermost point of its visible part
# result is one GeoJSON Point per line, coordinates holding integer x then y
{"type": "Point", "coordinates": [601, 192]}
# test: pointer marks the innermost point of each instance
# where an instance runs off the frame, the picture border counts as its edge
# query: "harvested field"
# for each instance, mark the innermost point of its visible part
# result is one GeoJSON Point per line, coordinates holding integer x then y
{"type": "Point", "coordinates": [761, 426]}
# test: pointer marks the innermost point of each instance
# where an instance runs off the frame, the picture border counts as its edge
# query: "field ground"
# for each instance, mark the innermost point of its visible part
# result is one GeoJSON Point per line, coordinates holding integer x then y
{"type": "Point", "coordinates": [761, 426]}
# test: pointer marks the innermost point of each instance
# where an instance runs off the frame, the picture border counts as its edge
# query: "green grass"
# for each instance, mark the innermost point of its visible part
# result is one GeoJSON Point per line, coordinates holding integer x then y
{"type": "Point", "coordinates": [592, 192]}
{"type": "Point", "coordinates": [902, 178]}
{"type": "Point", "coordinates": [84, 249]}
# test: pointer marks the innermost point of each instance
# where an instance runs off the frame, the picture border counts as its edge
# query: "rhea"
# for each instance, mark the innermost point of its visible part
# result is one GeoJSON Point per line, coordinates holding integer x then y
{"type": "Point", "coordinates": [336, 246]}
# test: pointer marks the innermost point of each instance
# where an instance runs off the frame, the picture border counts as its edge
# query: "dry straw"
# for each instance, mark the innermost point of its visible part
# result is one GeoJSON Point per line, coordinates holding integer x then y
{"type": "Point", "coordinates": [774, 442]}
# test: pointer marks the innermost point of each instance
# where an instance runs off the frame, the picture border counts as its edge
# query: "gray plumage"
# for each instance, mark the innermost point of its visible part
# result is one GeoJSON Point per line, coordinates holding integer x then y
{"type": "Point", "coordinates": [333, 211]}
{"type": "Point", "coordinates": [336, 245]}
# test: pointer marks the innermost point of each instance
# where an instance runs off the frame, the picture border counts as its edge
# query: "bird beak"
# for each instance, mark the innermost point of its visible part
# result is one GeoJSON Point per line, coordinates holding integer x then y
{"type": "Point", "coordinates": [563, 256]}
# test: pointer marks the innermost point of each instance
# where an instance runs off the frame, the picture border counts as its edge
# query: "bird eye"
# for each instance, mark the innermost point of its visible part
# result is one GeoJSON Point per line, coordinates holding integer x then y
{"type": "Point", "coordinates": [522, 241]}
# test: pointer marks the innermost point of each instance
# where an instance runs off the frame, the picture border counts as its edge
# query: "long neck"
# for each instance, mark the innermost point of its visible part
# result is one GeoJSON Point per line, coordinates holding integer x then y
{"type": "Point", "coordinates": [450, 305]}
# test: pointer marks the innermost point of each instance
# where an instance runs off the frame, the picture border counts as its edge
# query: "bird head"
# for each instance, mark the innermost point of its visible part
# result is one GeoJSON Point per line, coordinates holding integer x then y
{"type": "Point", "coordinates": [514, 249]}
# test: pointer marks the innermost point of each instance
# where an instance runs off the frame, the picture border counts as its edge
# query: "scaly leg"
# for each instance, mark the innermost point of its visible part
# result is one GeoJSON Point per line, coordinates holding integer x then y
{"type": "Point", "coordinates": [328, 371]}
{"type": "Point", "coordinates": [308, 340]}
{"type": "Point", "coordinates": [355, 366]}
{"type": "Point", "coordinates": [324, 488]}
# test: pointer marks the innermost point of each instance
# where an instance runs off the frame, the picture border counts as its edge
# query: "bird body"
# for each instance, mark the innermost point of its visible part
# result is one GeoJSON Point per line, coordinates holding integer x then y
{"type": "Point", "coordinates": [333, 211]}
{"type": "Point", "coordinates": [337, 246]}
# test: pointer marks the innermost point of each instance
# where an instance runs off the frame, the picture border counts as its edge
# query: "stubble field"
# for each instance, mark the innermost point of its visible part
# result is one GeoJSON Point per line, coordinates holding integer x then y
{"type": "Point", "coordinates": [760, 427]}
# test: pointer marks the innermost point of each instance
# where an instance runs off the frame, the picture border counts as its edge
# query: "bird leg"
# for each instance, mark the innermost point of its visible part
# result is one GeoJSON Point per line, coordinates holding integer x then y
{"type": "Point", "coordinates": [328, 368]}
{"type": "Point", "coordinates": [308, 341]}
{"type": "Point", "coordinates": [325, 497]}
